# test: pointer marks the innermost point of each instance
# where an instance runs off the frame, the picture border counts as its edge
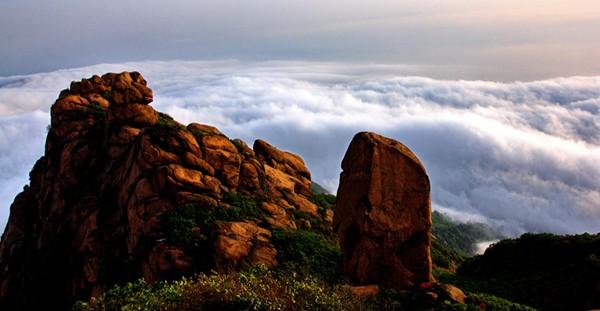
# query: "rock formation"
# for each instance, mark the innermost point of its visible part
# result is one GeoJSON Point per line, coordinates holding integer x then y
{"type": "Point", "coordinates": [383, 213]}
{"type": "Point", "coordinates": [124, 191]}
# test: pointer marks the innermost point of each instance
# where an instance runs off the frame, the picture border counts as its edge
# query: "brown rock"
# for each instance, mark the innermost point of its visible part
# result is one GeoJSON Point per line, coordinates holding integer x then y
{"type": "Point", "coordinates": [185, 197]}
{"type": "Point", "coordinates": [286, 162]}
{"type": "Point", "coordinates": [251, 179]}
{"type": "Point", "coordinates": [239, 244]}
{"type": "Point", "coordinates": [68, 103]}
{"type": "Point", "coordinates": [98, 99]}
{"type": "Point", "coordinates": [194, 161]}
{"type": "Point", "coordinates": [279, 179]}
{"type": "Point", "coordinates": [383, 213]}
{"type": "Point", "coordinates": [279, 217]}
{"type": "Point", "coordinates": [303, 204]}
{"type": "Point", "coordinates": [188, 142]}
{"type": "Point", "coordinates": [154, 155]}
{"type": "Point", "coordinates": [127, 91]}
{"type": "Point", "coordinates": [329, 216]}
{"type": "Point", "coordinates": [452, 293]}
{"type": "Point", "coordinates": [282, 160]}
{"type": "Point", "coordinates": [182, 177]}
{"type": "Point", "coordinates": [132, 114]}
{"type": "Point", "coordinates": [365, 291]}
{"type": "Point", "coordinates": [243, 147]}
{"type": "Point", "coordinates": [122, 81]}
{"type": "Point", "coordinates": [222, 155]}
{"type": "Point", "coordinates": [201, 130]}
{"type": "Point", "coordinates": [125, 135]}
{"type": "Point", "coordinates": [218, 143]}
{"type": "Point", "coordinates": [164, 260]}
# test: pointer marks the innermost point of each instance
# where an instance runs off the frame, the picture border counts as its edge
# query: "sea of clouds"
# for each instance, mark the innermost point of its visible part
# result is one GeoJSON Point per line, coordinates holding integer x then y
{"type": "Point", "coordinates": [521, 156]}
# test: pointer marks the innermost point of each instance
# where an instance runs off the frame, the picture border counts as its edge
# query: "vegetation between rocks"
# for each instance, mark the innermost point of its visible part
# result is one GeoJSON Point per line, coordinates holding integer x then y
{"type": "Point", "coordinates": [190, 223]}
{"type": "Point", "coordinates": [307, 252]}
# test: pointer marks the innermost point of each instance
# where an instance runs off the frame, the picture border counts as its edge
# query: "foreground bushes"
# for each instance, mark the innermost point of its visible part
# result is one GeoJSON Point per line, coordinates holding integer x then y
{"type": "Point", "coordinates": [262, 289]}
{"type": "Point", "coordinates": [256, 289]}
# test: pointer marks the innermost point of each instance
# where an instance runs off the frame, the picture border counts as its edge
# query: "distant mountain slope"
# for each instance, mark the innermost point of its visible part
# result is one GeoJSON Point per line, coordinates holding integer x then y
{"type": "Point", "coordinates": [461, 237]}
{"type": "Point", "coordinates": [318, 189]}
{"type": "Point", "coordinates": [546, 271]}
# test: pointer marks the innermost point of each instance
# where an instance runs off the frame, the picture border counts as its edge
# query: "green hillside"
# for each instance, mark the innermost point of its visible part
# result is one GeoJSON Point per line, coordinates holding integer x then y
{"type": "Point", "coordinates": [461, 237]}
{"type": "Point", "coordinates": [550, 272]}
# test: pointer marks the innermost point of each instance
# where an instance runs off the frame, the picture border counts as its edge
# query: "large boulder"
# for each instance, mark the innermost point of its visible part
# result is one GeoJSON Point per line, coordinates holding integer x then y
{"type": "Point", "coordinates": [126, 192]}
{"type": "Point", "coordinates": [383, 213]}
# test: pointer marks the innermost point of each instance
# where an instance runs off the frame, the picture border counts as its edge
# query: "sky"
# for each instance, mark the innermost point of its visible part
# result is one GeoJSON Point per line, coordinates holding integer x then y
{"type": "Point", "coordinates": [461, 39]}
{"type": "Point", "coordinates": [499, 99]}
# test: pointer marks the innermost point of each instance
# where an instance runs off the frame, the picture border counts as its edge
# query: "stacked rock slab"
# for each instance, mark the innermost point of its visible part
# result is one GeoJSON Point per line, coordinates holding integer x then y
{"type": "Point", "coordinates": [94, 212]}
{"type": "Point", "coordinates": [383, 213]}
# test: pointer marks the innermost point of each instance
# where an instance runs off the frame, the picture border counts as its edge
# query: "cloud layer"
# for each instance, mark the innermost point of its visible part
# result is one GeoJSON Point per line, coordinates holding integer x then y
{"type": "Point", "coordinates": [521, 156]}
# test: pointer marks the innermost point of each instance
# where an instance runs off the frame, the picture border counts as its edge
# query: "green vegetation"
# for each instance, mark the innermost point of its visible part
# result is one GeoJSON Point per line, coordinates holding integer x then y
{"type": "Point", "coordinates": [96, 110]}
{"type": "Point", "coordinates": [180, 223]}
{"type": "Point", "coordinates": [317, 189]}
{"type": "Point", "coordinates": [167, 124]}
{"type": "Point", "coordinates": [262, 289]}
{"type": "Point", "coordinates": [138, 295]}
{"type": "Point", "coordinates": [460, 237]}
{"type": "Point", "coordinates": [542, 270]}
{"type": "Point", "coordinates": [242, 207]}
{"type": "Point", "coordinates": [164, 129]}
{"type": "Point", "coordinates": [316, 224]}
{"type": "Point", "coordinates": [198, 133]}
{"type": "Point", "coordinates": [255, 289]}
{"type": "Point", "coordinates": [308, 275]}
{"type": "Point", "coordinates": [239, 145]}
{"type": "Point", "coordinates": [324, 200]}
{"type": "Point", "coordinates": [107, 95]}
{"type": "Point", "coordinates": [444, 257]}
{"type": "Point", "coordinates": [307, 252]}
{"type": "Point", "coordinates": [478, 302]}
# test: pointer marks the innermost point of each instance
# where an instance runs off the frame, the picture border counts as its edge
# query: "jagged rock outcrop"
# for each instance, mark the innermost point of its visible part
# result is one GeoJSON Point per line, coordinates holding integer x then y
{"type": "Point", "coordinates": [124, 191]}
{"type": "Point", "coordinates": [383, 213]}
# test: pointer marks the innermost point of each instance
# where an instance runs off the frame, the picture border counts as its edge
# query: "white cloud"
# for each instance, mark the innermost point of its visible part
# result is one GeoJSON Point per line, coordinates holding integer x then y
{"type": "Point", "coordinates": [524, 156]}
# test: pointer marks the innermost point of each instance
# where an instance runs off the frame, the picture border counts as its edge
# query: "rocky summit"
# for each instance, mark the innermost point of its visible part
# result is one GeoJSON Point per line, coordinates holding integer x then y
{"type": "Point", "coordinates": [383, 213]}
{"type": "Point", "coordinates": [124, 192]}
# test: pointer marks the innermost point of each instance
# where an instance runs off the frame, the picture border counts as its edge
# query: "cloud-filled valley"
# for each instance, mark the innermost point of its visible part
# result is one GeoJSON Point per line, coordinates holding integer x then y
{"type": "Point", "coordinates": [523, 156]}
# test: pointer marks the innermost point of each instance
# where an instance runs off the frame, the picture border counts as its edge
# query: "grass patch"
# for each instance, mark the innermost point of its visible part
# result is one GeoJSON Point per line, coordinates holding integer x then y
{"type": "Point", "coordinates": [324, 200]}
{"type": "Point", "coordinates": [307, 252]}
{"type": "Point", "coordinates": [255, 289]}
{"type": "Point", "coordinates": [445, 257]}
{"type": "Point", "coordinates": [262, 289]}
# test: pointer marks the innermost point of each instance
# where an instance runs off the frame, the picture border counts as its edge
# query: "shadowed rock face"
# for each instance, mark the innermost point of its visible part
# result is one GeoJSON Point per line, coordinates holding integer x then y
{"type": "Point", "coordinates": [383, 213]}
{"type": "Point", "coordinates": [95, 212]}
